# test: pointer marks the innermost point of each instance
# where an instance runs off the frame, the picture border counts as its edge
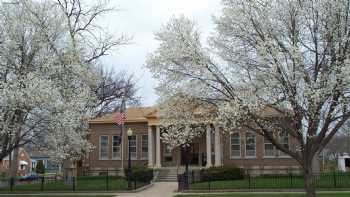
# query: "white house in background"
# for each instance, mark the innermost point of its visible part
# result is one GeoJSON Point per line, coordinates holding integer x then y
{"type": "Point", "coordinates": [344, 162]}
{"type": "Point", "coordinates": [24, 163]}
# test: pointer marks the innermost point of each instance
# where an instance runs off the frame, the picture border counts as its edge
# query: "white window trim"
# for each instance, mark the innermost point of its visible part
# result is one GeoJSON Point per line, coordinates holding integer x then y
{"type": "Point", "coordinates": [240, 146]}
{"type": "Point", "coordinates": [286, 156]}
{"type": "Point", "coordinates": [245, 146]}
{"type": "Point", "coordinates": [120, 149]}
{"type": "Point", "coordinates": [136, 158]}
{"type": "Point", "coordinates": [274, 151]}
{"type": "Point", "coordinates": [144, 156]}
{"type": "Point", "coordinates": [99, 153]}
{"type": "Point", "coordinates": [283, 156]}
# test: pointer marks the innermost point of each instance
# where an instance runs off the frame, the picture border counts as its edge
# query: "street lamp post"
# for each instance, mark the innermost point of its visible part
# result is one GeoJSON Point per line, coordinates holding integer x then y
{"type": "Point", "coordinates": [129, 133]}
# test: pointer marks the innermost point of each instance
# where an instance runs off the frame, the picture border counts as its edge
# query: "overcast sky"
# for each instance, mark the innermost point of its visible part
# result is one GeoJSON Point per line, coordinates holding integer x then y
{"type": "Point", "coordinates": [140, 19]}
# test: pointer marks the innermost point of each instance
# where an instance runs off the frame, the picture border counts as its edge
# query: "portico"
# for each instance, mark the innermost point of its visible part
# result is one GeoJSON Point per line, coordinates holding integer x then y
{"type": "Point", "coordinates": [207, 144]}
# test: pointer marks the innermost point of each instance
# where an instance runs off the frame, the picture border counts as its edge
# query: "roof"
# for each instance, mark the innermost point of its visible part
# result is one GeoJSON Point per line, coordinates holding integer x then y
{"type": "Point", "coordinates": [133, 114]}
{"type": "Point", "coordinates": [20, 150]}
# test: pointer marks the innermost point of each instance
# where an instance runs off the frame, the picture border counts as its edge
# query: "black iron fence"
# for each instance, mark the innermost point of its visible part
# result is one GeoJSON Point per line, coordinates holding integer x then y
{"type": "Point", "coordinates": [91, 180]}
{"type": "Point", "coordinates": [198, 180]}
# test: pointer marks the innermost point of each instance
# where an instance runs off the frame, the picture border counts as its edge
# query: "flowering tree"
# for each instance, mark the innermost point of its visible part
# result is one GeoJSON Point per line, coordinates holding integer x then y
{"type": "Point", "coordinates": [182, 120]}
{"type": "Point", "coordinates": [270, 66]}
{"type": "Point", "coordinates": [48, 80]}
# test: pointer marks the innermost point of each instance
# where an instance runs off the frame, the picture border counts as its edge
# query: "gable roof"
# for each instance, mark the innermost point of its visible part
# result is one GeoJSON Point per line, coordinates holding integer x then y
{"type": "Point", "coordinates": [133, 114]}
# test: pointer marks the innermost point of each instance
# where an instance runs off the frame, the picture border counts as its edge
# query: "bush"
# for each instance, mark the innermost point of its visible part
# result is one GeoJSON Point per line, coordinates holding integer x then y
{"type": "Point", "coordinates": [223, 173]}
{"type": "Point", "coordinates": [3, 174]}
{"type": "Point", "coordinates": [40, 168]}
{"type": "Point", "coordinates": [140, 174]}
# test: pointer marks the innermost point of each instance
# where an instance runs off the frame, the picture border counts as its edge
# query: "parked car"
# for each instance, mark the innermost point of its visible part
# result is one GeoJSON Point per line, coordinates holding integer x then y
{"type": "Point", "coordinates": [30, 177]}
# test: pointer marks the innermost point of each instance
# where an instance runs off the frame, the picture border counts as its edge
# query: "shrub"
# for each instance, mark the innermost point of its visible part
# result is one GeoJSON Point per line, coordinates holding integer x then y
{"type": "Point", "coordinates": [223, 173]}
{"type": "Point", "coordinates": [40, 168]}
{"type": "Point", "coordinates": [140, 174]}
{"type": "Point", "coordinates": [3, 174]}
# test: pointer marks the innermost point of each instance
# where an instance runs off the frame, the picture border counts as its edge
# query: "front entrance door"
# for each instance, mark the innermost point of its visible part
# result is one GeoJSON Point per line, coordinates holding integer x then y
{"type": "Point", "coordinates": [192, 155]}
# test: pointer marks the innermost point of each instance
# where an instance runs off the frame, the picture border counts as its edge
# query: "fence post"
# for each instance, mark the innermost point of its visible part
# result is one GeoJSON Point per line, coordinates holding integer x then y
{"type": "Point", "coordinates": [42, 183]}
{"type": "Point", "coordinates": [135, 184]}
{"type": "Point", "coordinates": [249, 181]}
{"type": "Point", "coordinates": [334, 179]}
{"type": "Point", "coordinates": [209, 179]}
{"type": "Point", "coordinates": [73, 182]}
{"type": "Point", "coordinates": [107, 180]}
{"type": "Point", "coordinates": [12, 182]}
{"type": "Point", "coordinates": [192, 177]}
{"type": "Point", "coordinates": [291, 180]}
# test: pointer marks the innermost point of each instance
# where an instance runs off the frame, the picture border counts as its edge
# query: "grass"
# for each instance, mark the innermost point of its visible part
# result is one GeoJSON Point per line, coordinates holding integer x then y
{"type": "Point", "coordinates": [284, 182]}
{"type": "Point", "coordinates": [83, 184]}
{"type": "Point", "coordinates": [64, 196]}
{"type": "Point", "coordinates": [266, 195]}
{"type": "Point", "coordinates": [57, 195]}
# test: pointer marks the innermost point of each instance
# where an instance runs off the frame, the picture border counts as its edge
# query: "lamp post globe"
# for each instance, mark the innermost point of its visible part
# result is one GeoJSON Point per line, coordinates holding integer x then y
{"type": "Point", "coordinates": [129, 133]}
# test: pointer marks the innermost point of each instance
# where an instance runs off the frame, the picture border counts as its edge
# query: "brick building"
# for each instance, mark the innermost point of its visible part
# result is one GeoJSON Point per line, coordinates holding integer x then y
{"type": "Point", "coordinates": [240, 147]}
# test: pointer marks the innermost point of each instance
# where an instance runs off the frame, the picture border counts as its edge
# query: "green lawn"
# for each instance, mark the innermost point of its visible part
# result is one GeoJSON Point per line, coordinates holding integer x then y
{"type": "Point", "coordinates": [266, 195]}
{"type": "Point", "coordinates": [56, 196]}
{"type": "Point", "coordinates": [324, 181]}
{"type": "Point", "coordinates": [83, 184]}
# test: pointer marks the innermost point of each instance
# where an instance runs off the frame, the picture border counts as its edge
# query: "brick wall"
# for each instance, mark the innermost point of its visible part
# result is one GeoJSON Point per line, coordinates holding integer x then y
{"type": "Point", "coordinates": [258, 162]}
{"type": "Point", "coordinates": [110, 130]}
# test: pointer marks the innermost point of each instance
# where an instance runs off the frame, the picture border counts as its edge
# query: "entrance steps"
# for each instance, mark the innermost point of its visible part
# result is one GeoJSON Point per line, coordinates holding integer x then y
{"type": "Point", "coordinates": [168, 174]}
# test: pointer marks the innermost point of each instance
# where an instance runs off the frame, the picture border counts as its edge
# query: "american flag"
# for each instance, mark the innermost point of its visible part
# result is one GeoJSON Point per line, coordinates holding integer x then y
{"type": "Point", "coordinates": [120, 118]}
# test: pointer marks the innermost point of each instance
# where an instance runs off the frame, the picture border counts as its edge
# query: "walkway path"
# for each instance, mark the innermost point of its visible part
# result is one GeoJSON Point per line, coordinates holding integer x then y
{"type": "Point", "coordinates": [159, 189]}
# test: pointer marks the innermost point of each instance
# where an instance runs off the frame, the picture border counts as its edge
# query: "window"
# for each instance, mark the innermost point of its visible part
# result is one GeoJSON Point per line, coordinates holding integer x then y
{"type": "Point", "coordinates": [116, 147]}
{"type": "Point", "coordinates": [250, 144]}
{"type": "Point", "coordinates": [284, 140]}
{"type": "Point", "coordinates": [212, 142]}
{"type": "Point", "coordinates": [133, 147]}
{"type": "Point", "coordinates": [144, 146]}
{"type": "Point", "coordinates": [235, 141]}
{"type": "Point", "coordinates": [22, 167]}
{"type": "Point", "coordinates": [269, 148]}
{"type": "Point", "coordinates": [103, 147]}
{"type": "Point", "coordinates": [167, 153]}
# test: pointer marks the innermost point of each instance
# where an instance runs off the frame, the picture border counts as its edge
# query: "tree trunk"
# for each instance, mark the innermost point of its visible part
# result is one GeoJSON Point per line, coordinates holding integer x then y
{"type": "Point", "coordinates": [14, 163]}
{"type": "Point", "coordinates": [308, 182]}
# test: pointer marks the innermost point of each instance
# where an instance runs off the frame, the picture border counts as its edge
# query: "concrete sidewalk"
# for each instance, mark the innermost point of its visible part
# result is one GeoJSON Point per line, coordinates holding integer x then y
{"type": "Point", "coordinates": [159, 189]}
{"type": "Point", "coordinates": [61, 194]}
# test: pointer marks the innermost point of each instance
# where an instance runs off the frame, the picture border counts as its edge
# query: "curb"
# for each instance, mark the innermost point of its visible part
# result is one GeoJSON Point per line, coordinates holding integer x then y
{"type": "Point", "coordinates": [59, 193]}
{"type": "Point", "coordinates": [263, 190]}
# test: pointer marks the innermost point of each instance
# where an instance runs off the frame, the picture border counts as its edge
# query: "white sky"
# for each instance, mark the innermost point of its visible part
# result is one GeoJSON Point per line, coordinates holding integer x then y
{"type": "Point", "coordinates": [140, 19]}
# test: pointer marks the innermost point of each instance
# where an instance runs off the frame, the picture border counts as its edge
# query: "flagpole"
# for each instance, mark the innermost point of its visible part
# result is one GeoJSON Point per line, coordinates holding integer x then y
{"type": "Point", "coordinates": [122, 110]}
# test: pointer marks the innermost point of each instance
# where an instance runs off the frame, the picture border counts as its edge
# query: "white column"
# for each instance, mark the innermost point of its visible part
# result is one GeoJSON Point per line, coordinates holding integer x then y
{"type": "Point", "coordinates": [158, 164]}
{"type": "Point", "coordinates": [217, 146]}
{"type": "Point", "coordinates": [208, 146]}
{"type": "Point", "coordinates": [150, 147]}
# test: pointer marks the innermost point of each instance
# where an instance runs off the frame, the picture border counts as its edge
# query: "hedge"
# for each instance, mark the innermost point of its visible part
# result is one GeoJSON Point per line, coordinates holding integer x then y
{"type": "Point", "coordinates": [223, 173]}
{"type": "Point", "coordinates": [140, 174]}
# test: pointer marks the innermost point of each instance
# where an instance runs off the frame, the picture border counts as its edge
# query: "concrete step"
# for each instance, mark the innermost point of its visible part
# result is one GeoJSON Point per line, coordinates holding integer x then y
{"type": "Point", "coordinates": [167, 175]}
